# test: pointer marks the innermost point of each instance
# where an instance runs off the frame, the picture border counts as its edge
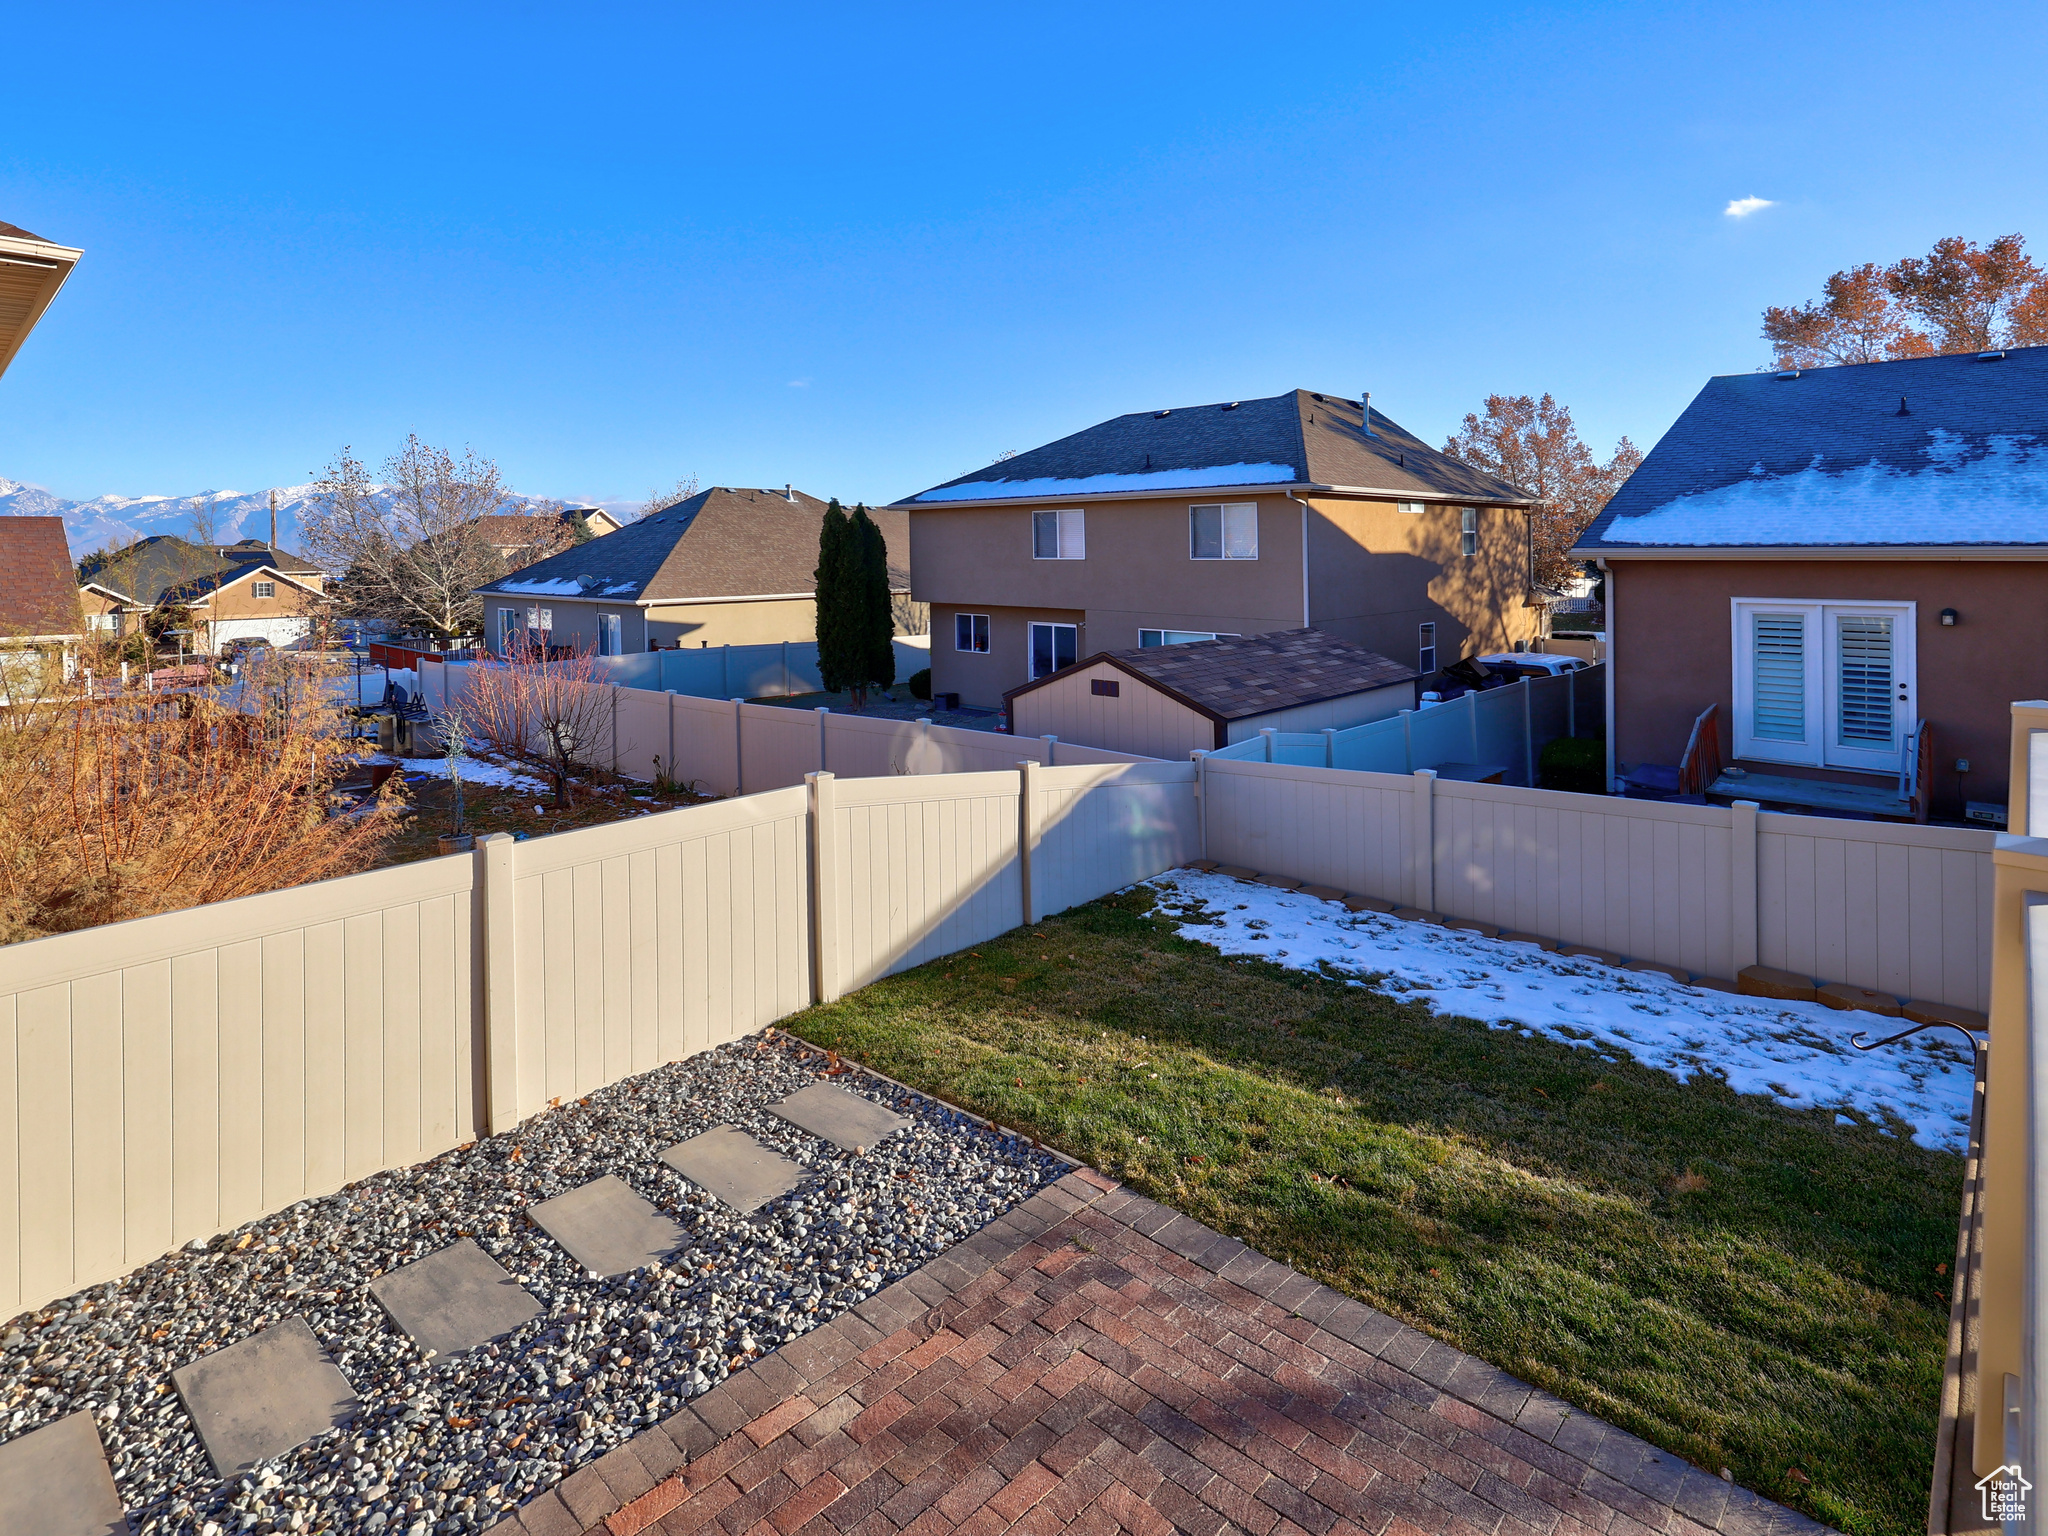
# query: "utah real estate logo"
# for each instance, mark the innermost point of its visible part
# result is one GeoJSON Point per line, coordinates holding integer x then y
{"type": "Point", "coordinates": [2005, 1495]}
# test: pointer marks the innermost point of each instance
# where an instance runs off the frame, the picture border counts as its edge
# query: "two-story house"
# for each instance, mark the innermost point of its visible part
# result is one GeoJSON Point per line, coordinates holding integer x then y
{"type": "Point", "coordinates": [1237, 518]}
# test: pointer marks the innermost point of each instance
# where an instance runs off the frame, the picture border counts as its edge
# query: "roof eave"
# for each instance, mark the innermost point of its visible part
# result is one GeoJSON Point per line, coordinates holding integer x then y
{"type": "Point", "coordinates": [1296, 488]}
{"type": "Point", "coordinates": [58, 261]}
{"type": "Point", "coordinates": [1812, 552]}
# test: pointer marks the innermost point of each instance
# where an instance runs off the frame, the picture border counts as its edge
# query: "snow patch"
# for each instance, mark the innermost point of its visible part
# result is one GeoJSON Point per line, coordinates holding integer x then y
{"type": "Point", "coordinates": [1092, 485]}
{"type": "Point", "coordinates": [1988, 491]}
{"type": "Point", "coordinates": [1797, 1053]}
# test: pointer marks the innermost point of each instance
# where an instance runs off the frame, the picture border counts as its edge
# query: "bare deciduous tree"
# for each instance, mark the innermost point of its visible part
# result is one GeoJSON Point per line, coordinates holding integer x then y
{"type": "Point", "coordinates": [660, 500]}
{"type": "Point", "coordinates": [414, 549]}
{"type": "Point", "coordinates": [551, 707]}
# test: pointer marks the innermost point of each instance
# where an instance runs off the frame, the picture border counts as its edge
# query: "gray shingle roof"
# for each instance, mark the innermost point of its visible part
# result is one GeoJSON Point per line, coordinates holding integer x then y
{"type": "Point", "coordinates": [1253, 674]}
{"type": "Point", "coordinates": [721, 542]}
{"type": "Point", "coordinates": [1826, 459]}
{"type": "Point", "coordinates": [1297, 439]}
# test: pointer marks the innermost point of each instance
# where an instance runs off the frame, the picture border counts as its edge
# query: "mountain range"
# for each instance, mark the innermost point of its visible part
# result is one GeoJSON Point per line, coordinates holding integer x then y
{"type": "Point", "coordinates": [114, 521]}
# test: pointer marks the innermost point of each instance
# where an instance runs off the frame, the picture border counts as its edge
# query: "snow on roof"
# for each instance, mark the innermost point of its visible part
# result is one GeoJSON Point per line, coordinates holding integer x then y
{"type": "Point", "coordinates": [1991, 492]}
{"type": "Point", "coordinates": [1098, 485]}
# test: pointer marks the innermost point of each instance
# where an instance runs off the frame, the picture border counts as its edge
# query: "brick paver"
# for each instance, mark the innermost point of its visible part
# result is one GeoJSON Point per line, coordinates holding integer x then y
{"type": "Point", "coordinates": [1093, 1363]}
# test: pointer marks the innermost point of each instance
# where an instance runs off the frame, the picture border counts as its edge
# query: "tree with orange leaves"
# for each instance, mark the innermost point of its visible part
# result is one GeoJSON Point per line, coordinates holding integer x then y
{"type": "Point", "coordinates": [1960, 297]}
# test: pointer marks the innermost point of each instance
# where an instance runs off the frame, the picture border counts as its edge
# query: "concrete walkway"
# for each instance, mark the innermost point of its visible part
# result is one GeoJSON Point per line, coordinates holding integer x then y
{"type": "Point", "coordinates": [1093, 1362]}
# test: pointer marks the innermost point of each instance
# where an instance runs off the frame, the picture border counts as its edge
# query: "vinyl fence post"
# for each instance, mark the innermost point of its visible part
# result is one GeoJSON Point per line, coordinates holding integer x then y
{"type": "Point", "coordinates": [1425, 839]}
{"type": "Point", "coordinates": [1201, 801]}
{"type": "Point", "coordinates": [1472, 719]}
{"type": "Point", "coordinates": [924, 741]}
{"type": "Point", "coordinates": [785, 669]}
{"type": "Point", "coordinates": [1742, 883]}
{"type": "Point", "coordinates": [669, 698]}
{"type": "Point", "coordinates": [1266, 734]}
{"type": "Point", "coordinates": [1329, 746]}
{"type": "Point", "coordinates": [1528, 738]}
{"type": "Point", "coordinates": [824, 882]}
{"type": "Point", "coordinates": [739, 763]}
{"type": "Point", "coordinates": [1407, 741]}
{"type": "Point", "coordinates": [824, 719]}
{"type": "Point", "coordinates": [1027, 836]}
{"type": "Point", "coordinates": [615, 731]}
{"type": "Point", "coordinates": [725, 670]}
{"type": "Point", "coordinates": [1571, 703]}
{"type": "Point", "coordinates": [498, 1018]}
{"type": "Point", "coordinates": [1052, 746]}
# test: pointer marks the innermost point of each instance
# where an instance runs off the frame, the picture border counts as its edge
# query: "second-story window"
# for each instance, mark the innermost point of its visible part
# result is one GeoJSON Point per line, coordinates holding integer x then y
{"type": "Point", "coordinates": [1059, 535]}
{"type": "Point", "coordinates": [1468, 530]}
{"type": "Point", "coordinates": [1425, 648]}
{"type": "Point", "coordinates": [970, 632]}
{"type": "Point", "coordinates": [1229, 531]}
{"type": "Point", "coordinates": [263, 588]}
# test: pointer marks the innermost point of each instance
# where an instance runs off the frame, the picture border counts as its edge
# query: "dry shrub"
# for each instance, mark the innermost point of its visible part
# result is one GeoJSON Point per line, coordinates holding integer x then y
{"type": "Point", "coordinates": [115, 808]}
{"type": "Point", "coordinates": [547, 707]}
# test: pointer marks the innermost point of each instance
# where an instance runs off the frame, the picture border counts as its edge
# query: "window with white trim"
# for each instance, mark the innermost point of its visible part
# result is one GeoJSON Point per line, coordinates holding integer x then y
{"type": "Point", "coordinates": [1052, 647]}
{"type": "Point", "coordinates": [508, 631]}
{"type": "Point", "coordinates": [263, 589]}
{"type": "Point", "coordinates": [970, 632]}
{"type": "Point", "coordinates": [1224, 531]}
{"type": "Point", "coordinates": [1179, 636]}
{"type": "Point", "coordinates": [1425, 648]}
{"type": "Point", "coordinates": [1827, 685]}
{"type": "Point", "coordinates": [1061, 535]}
{"type": "Point", "coordinates": [1412, 508]}
{"type": "Point", "coordinates": [609, 640]}
{"type": "Point", "coordinates": [1468, 530]}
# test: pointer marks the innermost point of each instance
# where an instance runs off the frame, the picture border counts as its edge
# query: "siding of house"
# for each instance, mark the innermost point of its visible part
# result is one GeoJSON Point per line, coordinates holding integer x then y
{"type": "Point", "coordinates": [1669, 628]}
{"type": "Point", "coordinates": [763, 623]}
{"type": "Point", "coordinates": [1139, 719]}
{"type": "Point", "coordinates": [1329, 714]}
{"type": "Point", "coordinates": [1373, 573]}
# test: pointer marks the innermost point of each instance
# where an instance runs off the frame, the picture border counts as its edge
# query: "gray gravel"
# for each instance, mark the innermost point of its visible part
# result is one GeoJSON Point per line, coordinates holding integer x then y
{"type": "Point", "coordinates": [452, 1445]}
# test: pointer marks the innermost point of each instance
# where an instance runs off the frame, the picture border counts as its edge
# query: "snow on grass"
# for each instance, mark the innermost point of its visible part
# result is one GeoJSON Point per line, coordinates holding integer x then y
{"type": "Point", "coordinates": [476, 771]}
{"type": "Point", "coordinates": [1798, 1053]}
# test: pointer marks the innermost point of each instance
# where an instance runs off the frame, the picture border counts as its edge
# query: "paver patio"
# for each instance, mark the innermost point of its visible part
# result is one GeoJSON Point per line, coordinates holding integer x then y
{"type": "Point", "coordinates": [1094, 1362]}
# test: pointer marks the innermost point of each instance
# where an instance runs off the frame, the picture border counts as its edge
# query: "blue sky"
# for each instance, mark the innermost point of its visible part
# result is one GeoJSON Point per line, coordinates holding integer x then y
{"type": "Point", "coordinates": [867, 249]}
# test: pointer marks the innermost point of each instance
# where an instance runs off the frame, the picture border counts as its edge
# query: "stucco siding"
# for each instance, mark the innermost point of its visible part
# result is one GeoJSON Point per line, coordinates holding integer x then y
{"type": "Point", "coordinates": [762, 623]}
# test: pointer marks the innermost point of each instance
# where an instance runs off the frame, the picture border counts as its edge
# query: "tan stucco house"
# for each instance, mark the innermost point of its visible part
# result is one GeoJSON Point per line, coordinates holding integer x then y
{"type": "Point", "coordinates": [727, 566]}
{"type": "Point", "coordinates": [1234, 518]}
{"type": "Point", "coordinates": [1850, 565]}
{"type": "Point", "coordinates": [250, 591]}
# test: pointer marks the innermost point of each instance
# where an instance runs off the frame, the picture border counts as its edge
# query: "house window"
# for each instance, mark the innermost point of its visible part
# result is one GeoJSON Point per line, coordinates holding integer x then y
{"type": "Point", "coordinates": [1468, 530]}
{"type": "Point", "coordinates": [1103, 687]}
{"type": "Point", "coordinates": [1179, 636]}
{"type": "Point", "coordinates": [608, 638]}
{"type": "Point", "coordinates": [263, 588]}
{"type": "Point", "coordinates": [1829, 685]}
{"type": "Point", "coordinates": [1059, 535]}
{"type": "Point", "coordinates": [508, 631]}
{"type": "Point", "coordinates": [1226, 532]}
{"type": "Point", "coordinates": [1052, 647]}
{"type": "Point", "coordinates": [1412, 508]}
{"type": "Point", "coordinates": [1425, 648]}
{"type": "Point", "coordinates": [970, 632]}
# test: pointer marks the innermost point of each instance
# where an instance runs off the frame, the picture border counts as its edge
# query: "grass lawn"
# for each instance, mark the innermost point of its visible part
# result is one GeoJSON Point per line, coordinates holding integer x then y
{"type": "Point", "coordinates": [1748, 1286]}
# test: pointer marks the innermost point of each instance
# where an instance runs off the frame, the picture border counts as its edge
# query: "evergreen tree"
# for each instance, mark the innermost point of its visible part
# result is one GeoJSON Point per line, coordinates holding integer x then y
{"type": "Point", "coordinates": [877, 623]}
{"type": "Point", "coordinates": [839, 661]}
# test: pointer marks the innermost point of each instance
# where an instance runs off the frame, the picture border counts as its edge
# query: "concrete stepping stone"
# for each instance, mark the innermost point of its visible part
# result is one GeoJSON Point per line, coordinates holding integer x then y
{"type": "Point", "coordinates": [848, 1121]}
{"type": "Point", "coordinates": [454, 1300]}
{"type": "Point", "coordinates": [54, 1481]}
{"type": "Point", "coordinates": [607, 1228]}
{"type": "Point", "coordinates": [269, 1394]}
{"type": "Point", "coordinates": [730, 1164]}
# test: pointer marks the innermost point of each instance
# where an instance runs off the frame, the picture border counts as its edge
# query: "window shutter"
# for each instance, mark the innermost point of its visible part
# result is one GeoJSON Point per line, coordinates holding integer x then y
{"type": "Point", "coordinates": [1778, 677]}
{"type": "Point", "coordinates": [1863, 680]}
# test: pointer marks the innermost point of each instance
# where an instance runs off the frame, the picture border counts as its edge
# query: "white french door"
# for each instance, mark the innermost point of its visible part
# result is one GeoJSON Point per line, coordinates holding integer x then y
{"type": "Point", "coordinates": [1829, 685]}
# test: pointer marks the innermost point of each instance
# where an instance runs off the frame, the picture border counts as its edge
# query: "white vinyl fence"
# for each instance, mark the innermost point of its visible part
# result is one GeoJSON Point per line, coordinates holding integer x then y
{"type": "Point", "coordinates": [1504, 728]}
{"type": "Point", "coordinates": [1900, 908]}
{"type": "Point", "coordinates": [731, 747]}
{"type": "Point", "coordinates": [176, 1076]}
{"type": "Point", "coordinates": [777, 670]}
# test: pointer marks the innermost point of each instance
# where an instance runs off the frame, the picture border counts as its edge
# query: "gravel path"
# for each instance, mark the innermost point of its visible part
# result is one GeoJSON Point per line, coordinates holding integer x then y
{"type": "Point", "coordinates": [450, 1445]}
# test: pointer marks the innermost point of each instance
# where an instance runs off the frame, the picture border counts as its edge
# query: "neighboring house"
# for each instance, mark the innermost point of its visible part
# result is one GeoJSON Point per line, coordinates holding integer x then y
{"type": "Point", "coordinates": [524, 540]}
{"type": "Point", "coordinates": [1164, 527]}
{"type": "Point", "coordinates": [1832, 556]}
{"type": "Point", "coordinates": [40, 621]}
{"type": "Point", "coordinates": [1170, 700]}
{"type": "Point", "coordinates": [31, 272]}
{"type": "Point", "coordinates": [244, 591]}
{"type": "Point", "coordinates": [728, 566]}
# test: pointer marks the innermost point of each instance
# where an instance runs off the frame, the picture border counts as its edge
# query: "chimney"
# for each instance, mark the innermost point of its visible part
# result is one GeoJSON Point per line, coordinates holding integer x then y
{"type": "Point", "coordinates": [273, 520]}
{"type": "Point", "coordinates": [1365, 411]}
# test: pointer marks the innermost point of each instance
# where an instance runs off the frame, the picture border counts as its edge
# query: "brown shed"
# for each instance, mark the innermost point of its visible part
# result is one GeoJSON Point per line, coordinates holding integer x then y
{"type": "Point", "coordinates": [1169, 700]}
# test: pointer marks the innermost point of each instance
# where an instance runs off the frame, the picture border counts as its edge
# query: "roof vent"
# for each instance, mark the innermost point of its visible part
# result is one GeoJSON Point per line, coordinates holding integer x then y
{"type": "Point", "coordinates": [1990, 357]}
{"type": "Point", "coordinates": [1231, 407]}
{"type": "Point", "coordinates": [1365, 412]}
{"type": "Point", "coordinates": [1902, 411]}
{"type": "Point", "coordinates": [1314, 396]}
{"type": "Point", "coordinates": [788, 492]}
{"type": "Point", "coordinates": [1157, 414]}
{"type": "Point", "coordinates": [1791, 373]}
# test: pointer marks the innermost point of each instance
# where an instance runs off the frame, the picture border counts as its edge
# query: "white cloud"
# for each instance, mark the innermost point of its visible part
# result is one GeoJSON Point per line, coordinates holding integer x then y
{"type": "Point", "coordinates": [799, 383]}
{"type": "Point", "coordinates": [1743, 207]}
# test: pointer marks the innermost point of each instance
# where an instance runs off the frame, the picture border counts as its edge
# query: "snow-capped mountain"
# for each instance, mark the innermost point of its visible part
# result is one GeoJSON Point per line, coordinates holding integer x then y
{"type": "Point", "coordinates": [112, 521]}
